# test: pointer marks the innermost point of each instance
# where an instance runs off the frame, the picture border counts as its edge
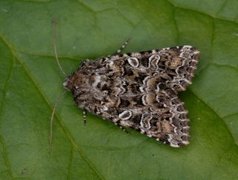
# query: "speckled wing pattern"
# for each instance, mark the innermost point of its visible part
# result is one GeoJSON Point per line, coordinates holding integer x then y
{"type": "Point", "coordinates": [139, 90]}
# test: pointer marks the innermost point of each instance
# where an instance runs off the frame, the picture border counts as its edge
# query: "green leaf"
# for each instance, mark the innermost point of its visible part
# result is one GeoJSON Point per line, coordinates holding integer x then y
{"type": "Point", "coordinates": [31, 84]}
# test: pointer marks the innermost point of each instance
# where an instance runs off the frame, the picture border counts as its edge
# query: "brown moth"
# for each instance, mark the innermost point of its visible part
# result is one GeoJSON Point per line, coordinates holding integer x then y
{"type": "Point", "coordinates": [139, 90]}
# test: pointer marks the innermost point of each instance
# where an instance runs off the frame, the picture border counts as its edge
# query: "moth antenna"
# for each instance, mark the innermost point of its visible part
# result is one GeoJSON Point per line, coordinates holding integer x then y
{"type": "Point", "coordinates": [54, 24]}
{"type": "Point", "coordinates": [59, 98]}
{"type": "Point", "coordinates": [51, 125]}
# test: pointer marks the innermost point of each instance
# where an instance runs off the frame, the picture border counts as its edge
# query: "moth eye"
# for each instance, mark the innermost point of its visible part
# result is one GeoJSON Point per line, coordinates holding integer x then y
{"type": "Point", "coordinates": [125, 115]}
{"type": "Point", "coordinates": [133, 61]}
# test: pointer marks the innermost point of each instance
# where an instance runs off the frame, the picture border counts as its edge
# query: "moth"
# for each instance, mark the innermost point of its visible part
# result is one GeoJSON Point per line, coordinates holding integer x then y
{"type": "Point", "coordinates": [139, 90]}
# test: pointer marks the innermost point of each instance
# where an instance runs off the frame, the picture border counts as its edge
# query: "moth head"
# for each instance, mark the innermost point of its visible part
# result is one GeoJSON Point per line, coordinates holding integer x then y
{"type": "Point", "coordinates": [76, 81]}
{"type": "Point", "coordinates": [67, 84]}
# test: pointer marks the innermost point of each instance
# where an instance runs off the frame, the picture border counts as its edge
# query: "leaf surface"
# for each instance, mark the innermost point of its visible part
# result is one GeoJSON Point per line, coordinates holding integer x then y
{"type": "Point", "coordinates": [31, 84]}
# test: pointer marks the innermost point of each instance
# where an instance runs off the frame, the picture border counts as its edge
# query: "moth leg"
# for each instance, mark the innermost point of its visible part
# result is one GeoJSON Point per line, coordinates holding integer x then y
{"type": "Point", "coordinates": [84, 117]}
{"type": "Point", "coordinates": [124, 129]}
{"type": "Point", "coordinates": [123, 46]}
